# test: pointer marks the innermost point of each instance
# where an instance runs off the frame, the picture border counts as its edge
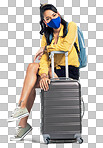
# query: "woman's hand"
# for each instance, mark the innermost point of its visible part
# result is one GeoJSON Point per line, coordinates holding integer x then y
{"type": "Point", "coordinates": [39, 53]}
{"type": "Point", "coordinates": [44, 83]}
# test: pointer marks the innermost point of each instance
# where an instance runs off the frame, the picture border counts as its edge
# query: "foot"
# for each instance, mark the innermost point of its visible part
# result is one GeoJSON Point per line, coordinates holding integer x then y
{"type": "Point", "coordinates": [21, 132]}
{"type": "Point", "coordinates": [18, 113]}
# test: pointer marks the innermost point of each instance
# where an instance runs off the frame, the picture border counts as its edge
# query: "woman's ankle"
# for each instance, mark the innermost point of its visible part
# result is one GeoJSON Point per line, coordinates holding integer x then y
{"type": "Point", "coordinates": [23, 125]}
{"type": "Point", "coordinates": [22, 104]}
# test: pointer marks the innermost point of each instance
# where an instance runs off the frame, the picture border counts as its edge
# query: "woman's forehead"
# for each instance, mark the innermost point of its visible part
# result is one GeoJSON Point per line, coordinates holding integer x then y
{"type": "Point", "coordinates": [48, 13]}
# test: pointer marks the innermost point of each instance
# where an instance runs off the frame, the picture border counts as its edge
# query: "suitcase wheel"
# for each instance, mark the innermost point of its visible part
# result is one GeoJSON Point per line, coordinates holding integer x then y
{"type": "Point", "coordinates": [79, 140]}
{"type": "Point", "coordinates": [46, 140]}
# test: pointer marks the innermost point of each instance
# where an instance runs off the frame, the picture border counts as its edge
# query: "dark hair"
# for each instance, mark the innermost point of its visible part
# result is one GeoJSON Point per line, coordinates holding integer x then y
{"type": "Point", "coordinates": [48, 30]}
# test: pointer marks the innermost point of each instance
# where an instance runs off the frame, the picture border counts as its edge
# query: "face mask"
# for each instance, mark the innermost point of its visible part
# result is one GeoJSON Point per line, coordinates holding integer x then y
{"type": "Point", "coordinates": [54, 23]}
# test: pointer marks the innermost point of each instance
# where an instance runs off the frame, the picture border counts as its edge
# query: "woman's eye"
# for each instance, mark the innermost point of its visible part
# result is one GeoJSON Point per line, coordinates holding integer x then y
{"type": "Point", "coordinates": [54, 14]}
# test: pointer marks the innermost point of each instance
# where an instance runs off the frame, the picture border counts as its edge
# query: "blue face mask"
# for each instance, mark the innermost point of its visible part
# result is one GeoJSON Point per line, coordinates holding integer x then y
{"type": "Point", "coordinates": [54, 23]}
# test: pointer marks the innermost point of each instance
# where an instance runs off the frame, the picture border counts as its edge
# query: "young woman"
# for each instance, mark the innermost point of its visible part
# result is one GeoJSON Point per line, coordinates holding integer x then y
{"type": "Point", "coordinates": [38, 74]}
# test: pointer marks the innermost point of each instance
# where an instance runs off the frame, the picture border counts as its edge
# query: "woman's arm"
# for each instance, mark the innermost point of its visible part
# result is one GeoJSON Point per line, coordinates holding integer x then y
{"type": "Point", "coordinates": [44, 65]}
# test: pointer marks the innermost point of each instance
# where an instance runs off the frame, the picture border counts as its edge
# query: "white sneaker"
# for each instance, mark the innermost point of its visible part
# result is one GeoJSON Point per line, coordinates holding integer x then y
{"type": "Point", "coordinates": [21, 132]}
{"type": "Point", "coordinates": [18, 113]}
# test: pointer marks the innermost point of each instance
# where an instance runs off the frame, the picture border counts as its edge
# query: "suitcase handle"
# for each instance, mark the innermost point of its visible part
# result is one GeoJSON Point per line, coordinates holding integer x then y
{"type": "Point", "coordinates": [83, 107]}
{"type": "Point", "coordinates": [66, 62]}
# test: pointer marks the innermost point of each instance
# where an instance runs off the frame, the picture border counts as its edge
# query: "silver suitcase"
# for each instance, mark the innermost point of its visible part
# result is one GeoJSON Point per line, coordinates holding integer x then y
{"type": "Point", "coordinates": [61, 112]}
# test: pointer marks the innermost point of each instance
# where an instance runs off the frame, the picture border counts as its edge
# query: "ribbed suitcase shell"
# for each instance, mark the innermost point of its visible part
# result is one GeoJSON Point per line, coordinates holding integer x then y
{"type": "Point", "coordinates": [61, 110]}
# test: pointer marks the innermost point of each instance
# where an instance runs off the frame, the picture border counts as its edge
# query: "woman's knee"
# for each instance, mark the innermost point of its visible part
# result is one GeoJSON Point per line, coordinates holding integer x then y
{"type": "Point", "coordinates": [33, 67]}
{"type": "Point", "coordinates": [50, 73]}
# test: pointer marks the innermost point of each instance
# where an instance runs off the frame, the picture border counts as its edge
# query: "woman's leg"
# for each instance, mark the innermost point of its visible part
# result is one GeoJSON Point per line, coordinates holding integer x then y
{"type": "Point", "coordinates": [50, 73]}
{"type": "Point", "coordinates": [29, 105]}
{"type": "Point", "coordinates": [29, 82]}
{"type": "Point", "coordinates": [32, 96]}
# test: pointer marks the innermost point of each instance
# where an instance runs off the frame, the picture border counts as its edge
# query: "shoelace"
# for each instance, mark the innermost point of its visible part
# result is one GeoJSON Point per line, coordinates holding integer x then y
{"type": "Point", "coordinates": [18, 129]}
{"type": "Point", "coordinates": [13, 112]}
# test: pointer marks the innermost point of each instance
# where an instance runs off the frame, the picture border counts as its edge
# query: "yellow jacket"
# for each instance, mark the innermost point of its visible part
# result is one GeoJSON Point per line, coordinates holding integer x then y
{"type": "Point", "coordinates": [63, 44]}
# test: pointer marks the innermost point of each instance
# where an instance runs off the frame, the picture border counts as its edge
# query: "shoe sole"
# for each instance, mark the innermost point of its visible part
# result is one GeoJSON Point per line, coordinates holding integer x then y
{"type": "Point", "coordinates": [22, 136]}
{"type": "Point", "coordinates": [14, 119]}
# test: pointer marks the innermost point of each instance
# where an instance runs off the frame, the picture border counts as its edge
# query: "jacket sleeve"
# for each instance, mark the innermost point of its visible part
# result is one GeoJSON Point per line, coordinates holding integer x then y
{"type": "Point", "coordinates": [44, 61]}
{"type": "Point", "coordinates": [68, 41]}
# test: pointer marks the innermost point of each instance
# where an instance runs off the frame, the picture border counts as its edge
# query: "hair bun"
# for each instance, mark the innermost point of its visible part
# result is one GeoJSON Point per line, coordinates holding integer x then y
{"type": "Point", "coordinates": [42, 5]}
